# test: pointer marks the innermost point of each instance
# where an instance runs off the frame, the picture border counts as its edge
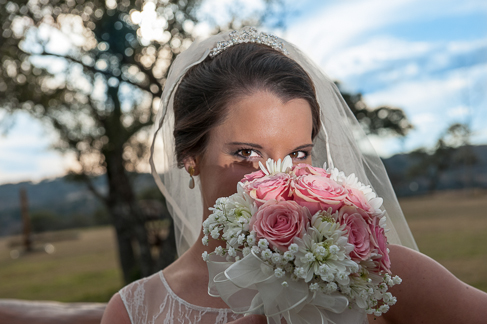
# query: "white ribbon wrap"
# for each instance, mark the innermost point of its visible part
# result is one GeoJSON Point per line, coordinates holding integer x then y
{"type": "Point", "coordinates": [249, 286]}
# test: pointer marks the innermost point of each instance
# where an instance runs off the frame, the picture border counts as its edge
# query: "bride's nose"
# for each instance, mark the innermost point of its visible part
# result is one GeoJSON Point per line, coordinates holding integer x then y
{"type": "Point", "coordinates": [276, 157]}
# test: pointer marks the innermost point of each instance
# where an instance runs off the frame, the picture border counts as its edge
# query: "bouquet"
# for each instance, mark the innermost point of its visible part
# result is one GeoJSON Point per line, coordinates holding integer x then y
{"type": "Point", "coordinates": [302, 243]}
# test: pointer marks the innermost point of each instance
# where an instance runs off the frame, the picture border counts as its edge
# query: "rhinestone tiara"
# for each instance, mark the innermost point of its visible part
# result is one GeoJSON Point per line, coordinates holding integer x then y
{"type": "Point", "coordinates": [248, 35]}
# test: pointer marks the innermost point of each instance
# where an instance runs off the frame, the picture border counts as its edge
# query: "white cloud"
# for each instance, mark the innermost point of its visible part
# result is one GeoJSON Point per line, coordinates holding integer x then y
{"type": "Point", "coordinates": [334, 26]}
{"type": "Point", "coordinates": [419, 95]}
{"type": "Point", "coordinates": [433, 102]}
{"type": "Point", "coordinates": [459, 111]}
{"type": "Point", "coordinates": [423, 119]}
{"type": "Point", "coordinates": [381, 55]}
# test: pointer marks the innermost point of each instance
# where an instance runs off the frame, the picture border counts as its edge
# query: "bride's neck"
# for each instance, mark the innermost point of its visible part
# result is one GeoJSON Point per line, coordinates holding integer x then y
{"type": "Point", "coordinates": [195, 252]}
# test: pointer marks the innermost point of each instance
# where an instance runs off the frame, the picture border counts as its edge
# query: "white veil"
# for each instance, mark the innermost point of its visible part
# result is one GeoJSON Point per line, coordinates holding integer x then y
{"type": "Point", "coordinates": [341, 141]}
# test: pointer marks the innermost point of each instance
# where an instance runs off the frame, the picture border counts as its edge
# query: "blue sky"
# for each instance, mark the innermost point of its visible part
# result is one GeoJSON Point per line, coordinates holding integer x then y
{"type": "Point", "coordinates": [427, 57]}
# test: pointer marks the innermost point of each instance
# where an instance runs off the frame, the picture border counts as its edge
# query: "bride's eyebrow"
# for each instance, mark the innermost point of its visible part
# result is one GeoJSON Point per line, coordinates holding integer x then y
{"type": "Point", "coordinates": [257, 146]}
{"type": "Point", "coordinates": [305, 146]}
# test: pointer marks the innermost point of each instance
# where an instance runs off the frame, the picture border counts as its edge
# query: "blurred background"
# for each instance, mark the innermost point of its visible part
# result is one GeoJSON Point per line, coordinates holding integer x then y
{"type": "Point", "coordinates": [80, 82]}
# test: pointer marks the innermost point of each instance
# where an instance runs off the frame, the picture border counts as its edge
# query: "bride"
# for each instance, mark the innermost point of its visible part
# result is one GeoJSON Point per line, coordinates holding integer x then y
{"type": "Point", "coordinates": [230, 102]}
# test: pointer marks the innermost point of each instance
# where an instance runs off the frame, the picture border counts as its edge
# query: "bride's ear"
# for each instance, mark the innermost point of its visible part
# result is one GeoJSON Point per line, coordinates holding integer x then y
{"type": "Point", "coordinates": [190, 163]}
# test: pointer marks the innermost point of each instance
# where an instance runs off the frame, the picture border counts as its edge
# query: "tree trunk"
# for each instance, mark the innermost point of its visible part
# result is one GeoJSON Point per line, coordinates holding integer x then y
{"type": "Point", "coordinates": [129, 222]}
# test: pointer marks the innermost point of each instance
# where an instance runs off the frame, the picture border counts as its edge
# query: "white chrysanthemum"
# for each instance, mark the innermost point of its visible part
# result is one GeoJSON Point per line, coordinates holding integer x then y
{"type": "Point", "coordinates": [255, 249]}
{"type": "Point", "coordinates": [221, 201]}
{"type": "Point", "coordinates": [335, 174]}
{"type": "Point", "coordinates": [321, 252]}
{"type": "Point", "coordinates": [352, 181]}
{"type": "Point", "coordinates": [336, 257]}
{"type": "Point", "coordinates": [274, 167]}
{"type": "Point", "coordinates": [334, 249]}
{"type": "Point", "coordinates": [327, 226]}
{"type": "Point", "coordinates": [204, 240]}
{"type": "Point", "coordinates": [235, 216]}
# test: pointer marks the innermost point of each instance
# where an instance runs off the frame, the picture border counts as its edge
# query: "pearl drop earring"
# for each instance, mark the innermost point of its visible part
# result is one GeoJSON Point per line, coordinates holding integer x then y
{"type": "Point", "coordinates": [191, 180]}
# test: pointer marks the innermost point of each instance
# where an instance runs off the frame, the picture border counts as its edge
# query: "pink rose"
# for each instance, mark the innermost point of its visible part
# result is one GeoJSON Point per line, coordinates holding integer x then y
{"type": "Point", "coordinates": [357, 198]}
{"type": "Point", "coordinates": [306, 169]}
{"type": "Point", "coordinates": [358, 231]}
{"type": "Point", "coordinates": [252, 176]}
{"type": "Point", "coordinates": [318, 193]}
{"type": "Point", "coordinates": [379, 242]}
{"type": "Point", "coordinates": [273, 187]}
{"type": "Point", "coordinates": [279, 222]}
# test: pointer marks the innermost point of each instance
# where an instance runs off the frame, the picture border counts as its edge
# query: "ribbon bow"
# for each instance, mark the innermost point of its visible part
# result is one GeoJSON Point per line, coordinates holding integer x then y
{"type": "Point", "coordinates": [249, 286]}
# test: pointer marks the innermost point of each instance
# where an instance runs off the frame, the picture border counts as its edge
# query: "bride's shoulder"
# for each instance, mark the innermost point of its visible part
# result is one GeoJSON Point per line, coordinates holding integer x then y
{"type": "Point", "coordinates": [132, 297]}
{"type": "Point", "coordinates": [430, 293]}
{"type": "Point", "coordinates": [115, 311]}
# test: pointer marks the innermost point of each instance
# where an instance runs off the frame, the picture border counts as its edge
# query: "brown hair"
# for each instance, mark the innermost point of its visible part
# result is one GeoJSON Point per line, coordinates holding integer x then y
{"type": "Point", "coordinates": [207, 90]}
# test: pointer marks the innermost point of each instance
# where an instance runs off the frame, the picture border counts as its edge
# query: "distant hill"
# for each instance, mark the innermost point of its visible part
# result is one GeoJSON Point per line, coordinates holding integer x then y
{"type": "Point", "coordinates": [60, 197]}
{"type": "Point", "coordinates": [475, 176]}
{"type": "Point", "coordinates": [69, 200]}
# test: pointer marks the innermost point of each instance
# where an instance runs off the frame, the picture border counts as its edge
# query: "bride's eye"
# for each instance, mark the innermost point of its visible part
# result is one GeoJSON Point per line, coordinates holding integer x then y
{"type": "Point", "coordinates": [247, 153]}
{"type": "Point", "coordinates": [299, 155]}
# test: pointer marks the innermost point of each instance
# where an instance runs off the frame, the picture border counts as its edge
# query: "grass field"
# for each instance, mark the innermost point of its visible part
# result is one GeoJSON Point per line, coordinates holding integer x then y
{"type": "Point", "coordinates": [84, 268]}
{"type": "Point", "coordinates": [450, 227]}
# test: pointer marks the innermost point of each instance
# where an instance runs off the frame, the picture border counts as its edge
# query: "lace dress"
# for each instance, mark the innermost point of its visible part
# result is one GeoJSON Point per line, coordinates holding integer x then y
{"type": "Point", "coordinates": [151, 301]}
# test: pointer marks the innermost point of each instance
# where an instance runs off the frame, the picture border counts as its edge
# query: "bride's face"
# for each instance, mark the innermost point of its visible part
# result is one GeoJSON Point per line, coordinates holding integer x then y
{"type": "Point", "coordinates": [258, 127]}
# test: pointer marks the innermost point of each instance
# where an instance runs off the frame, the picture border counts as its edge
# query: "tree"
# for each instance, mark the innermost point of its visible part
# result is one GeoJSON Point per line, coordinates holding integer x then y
{"type": "Point", "coordinates": [93, 71]}
{"type": "Point", "coordinates": [383, 120]}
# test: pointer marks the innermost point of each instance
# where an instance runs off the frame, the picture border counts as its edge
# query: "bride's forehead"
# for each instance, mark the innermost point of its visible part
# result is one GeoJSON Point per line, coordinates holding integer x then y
{"type": "Point", "coordinates": [267, 106]}
{"type": "Point", "coordinates": [265, 115]}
